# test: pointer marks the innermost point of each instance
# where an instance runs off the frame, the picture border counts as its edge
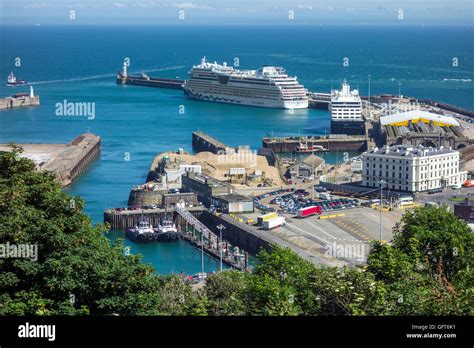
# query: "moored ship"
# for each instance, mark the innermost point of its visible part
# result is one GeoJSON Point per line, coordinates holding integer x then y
{"type": "Point", "coordinates": [305, 148]}
{"type": "Point", "coordinates": [268, 86]}
{"type": "Point", "coordinates": [346, 111]}
{"type": "Point", "coordinates": [167, 230]}
{"type": "Point", "coordinates": [144, 232]}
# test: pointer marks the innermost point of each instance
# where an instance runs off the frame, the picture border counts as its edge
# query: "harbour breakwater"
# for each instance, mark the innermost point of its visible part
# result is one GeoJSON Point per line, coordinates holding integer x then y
{"type": "Point", "coordinates": [18, 101]}
{"type": "Point", "coordinates": [66, 161]}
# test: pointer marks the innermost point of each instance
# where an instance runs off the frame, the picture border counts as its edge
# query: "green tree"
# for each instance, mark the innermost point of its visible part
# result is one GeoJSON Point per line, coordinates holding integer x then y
{"type": "Point", "coordinates": [227, 293]}
{"type": "Point", "coordinates": [77, 271]}
{"type": "Point", "coordinates": [436, 235]}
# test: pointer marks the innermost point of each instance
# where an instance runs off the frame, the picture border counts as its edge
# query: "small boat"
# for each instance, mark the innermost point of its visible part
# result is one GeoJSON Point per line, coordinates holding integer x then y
{"type": "Point", "coordinates": [12, 81]}
{"type": "Point", "coordinates": [142, 233]}
{"type": "Point", "coordinates": [305, 148]}
{"type": "Point", "coordinates": [167, 230]}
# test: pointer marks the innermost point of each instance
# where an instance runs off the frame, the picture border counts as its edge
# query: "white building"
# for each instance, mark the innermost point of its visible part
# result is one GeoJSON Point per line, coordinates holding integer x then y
{"type": "Point", "coordinates": [412, 169]}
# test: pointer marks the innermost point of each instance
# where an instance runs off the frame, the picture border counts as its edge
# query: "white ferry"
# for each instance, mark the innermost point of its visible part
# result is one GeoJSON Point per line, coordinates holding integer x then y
{"type": "Point", "coordinates": [346, 111]}
{"type": "Point", "coordinates": [268, 86]}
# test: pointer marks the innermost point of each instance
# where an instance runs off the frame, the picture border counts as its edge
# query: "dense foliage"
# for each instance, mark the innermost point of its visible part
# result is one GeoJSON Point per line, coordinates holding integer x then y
{"type": "Point", "coordinates": [426, 270]}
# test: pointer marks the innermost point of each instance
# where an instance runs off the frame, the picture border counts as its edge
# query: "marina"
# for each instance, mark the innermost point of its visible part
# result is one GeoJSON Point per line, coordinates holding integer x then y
{"type": "Point", "coordinates": [189, 228]}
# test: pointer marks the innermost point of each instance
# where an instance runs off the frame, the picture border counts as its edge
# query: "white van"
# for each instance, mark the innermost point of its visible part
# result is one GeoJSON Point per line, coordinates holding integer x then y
{"type": "Point", "coordinates": [408, 200]}
{"type": "Point", "coordinates": [324, 196]}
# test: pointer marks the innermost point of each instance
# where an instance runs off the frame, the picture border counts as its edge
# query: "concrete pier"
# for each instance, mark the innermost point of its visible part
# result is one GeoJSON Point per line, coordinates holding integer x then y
{"type": "Point", "coordinates": [329, 142]}
{"type": "Point", "coordinates": [129, 218]}
{"type": "Point", "coordinates": [237, 233]}
{"type": "Point", "coordinates": [19, 100]}
{"type": "Point", "coordinates": [204, 142]}
{"type": "Point", "coordinates": [148, 81]}
{"type": "Point", "coordinates": [67, 161]}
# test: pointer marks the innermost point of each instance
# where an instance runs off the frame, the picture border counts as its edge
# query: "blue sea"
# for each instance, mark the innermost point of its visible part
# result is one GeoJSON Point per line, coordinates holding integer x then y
{"type": "Point", "coordinates": [79, 64]}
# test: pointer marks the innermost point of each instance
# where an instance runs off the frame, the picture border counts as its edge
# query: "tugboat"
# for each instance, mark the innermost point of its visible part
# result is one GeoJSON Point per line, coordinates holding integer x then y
{"type": "Point", "coordinates": [167, 231]}
{"type": "Point", "coordinates": [142, 233]}
{"type": "Point", "coordinates": [12, 81]}
{"type": "Point", "coordinates": [304, 148]}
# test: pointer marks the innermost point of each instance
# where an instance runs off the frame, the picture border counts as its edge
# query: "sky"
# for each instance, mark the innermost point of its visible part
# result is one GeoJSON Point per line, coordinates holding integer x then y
{"type": "Point", "coordinates": [237, 12]}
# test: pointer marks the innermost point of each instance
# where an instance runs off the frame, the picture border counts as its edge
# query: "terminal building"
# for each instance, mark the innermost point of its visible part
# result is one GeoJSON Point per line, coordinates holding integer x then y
{"type": "Point", "coordinates": [411, 169]}
{"type": "Point", "coordinates": [420, 127]}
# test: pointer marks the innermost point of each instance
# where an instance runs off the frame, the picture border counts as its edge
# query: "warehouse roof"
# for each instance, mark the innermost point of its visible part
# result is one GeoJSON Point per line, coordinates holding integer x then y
{"type": "Point", "coordinates": [232, 198]}
{"type": "Point", "coordinates": [414, 116]}
{"type": "Point", "coordinates": [309, 161]}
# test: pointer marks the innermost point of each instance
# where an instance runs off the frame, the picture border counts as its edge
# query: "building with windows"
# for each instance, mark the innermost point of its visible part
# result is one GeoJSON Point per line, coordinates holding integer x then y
{"type": "Point", "coordinates": [411, 169]}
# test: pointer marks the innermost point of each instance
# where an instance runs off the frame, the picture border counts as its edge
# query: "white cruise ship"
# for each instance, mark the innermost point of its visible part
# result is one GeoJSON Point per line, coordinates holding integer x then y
{"type": "Point", "coordinates": [346, 111]}
{"type": "Point", "coordinates": [268, 86]}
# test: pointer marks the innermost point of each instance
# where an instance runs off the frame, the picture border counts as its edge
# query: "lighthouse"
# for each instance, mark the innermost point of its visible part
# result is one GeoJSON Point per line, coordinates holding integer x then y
{"type": "Point", "coordinates": [32, 94]}
{"type": "Point", "coordinates": [124, 73]}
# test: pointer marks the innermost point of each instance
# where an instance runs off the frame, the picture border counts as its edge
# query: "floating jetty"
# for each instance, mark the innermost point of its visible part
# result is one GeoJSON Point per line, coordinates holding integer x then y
{"type": "Point", "coordinates": [67, 161]}
{"type": "Point", "coordinates": [19, 100]}
{"type": "Point", "coordinates": [123, 78]}
{"type": "Point", "coordinates": [332, 142]}
{"type": "Point", "coordinates": [189, 226]}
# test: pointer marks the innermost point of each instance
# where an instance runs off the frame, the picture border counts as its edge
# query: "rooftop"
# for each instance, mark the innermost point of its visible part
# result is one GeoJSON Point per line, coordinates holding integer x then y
{"type": "Point", "coordinates": [414, 116]}
{"type": "Point", "coordinates": [232, 197]}
{"type": "Point", "coordinates": [410, 151]}
{"type": "Point", "coordinates": [313, 159]}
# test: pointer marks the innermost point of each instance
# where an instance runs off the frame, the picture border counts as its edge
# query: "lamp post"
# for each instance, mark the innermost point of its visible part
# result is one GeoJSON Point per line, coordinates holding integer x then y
{"type": "Point", "coordinates": [220, 227]}
{"type": "Point", "coordinates": [369, 98]}
{"type": "Point", "coordinates": [202, 252]}
{"type": "Point", "coordinates": [399, 87]}
{"type": "Point", "coordinates": [312, 172]}
{"type": "Point", "coordinates": [381, 207]}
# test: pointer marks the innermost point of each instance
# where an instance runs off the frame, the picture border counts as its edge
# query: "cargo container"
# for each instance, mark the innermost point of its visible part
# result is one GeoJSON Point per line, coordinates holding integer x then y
{"type": "Point", "coordinates": [262, 218]}
{"type": "Point", "coordinates": [273, 223]}
{"type": "Point", "coordinates": [308, 211]}
{"type": "Point", "coordinates": [468, 183]}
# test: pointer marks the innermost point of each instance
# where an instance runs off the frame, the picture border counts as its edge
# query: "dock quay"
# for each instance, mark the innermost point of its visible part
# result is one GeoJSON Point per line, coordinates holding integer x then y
{"type": "Point", "coordinates": [448, 107]}
{"type": "Point", "coordinates": [20, 100]}
{"type": "Point", "coordinates": [332, 142]}
{"type": "Point", "coordinates": [147, 81]}
{"type": "Point", "coordinates": [123, 78]}
{"type": "Point", "coordinates": [204, 142]}
{"type": "Point", "coordinates": [318, 100]}
{"type": "Point", "coordinates": [67, 161]}
{"type": "Point", "coordinates": [123, 219]}
{"type": "Point", "coordinates": [189, 226]}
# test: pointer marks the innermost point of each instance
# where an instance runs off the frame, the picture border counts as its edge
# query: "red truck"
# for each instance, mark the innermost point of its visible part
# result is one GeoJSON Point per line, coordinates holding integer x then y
{"type": "Point", "coordinates": [308, 211]}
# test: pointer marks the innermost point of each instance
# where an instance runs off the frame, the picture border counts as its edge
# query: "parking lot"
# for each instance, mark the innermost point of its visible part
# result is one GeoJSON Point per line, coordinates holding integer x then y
{"type": "Point", "coordinates": [349, 229]}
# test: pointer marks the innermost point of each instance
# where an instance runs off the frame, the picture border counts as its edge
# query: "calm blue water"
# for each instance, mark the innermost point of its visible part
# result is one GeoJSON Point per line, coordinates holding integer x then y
{"type": "Point", "coordinates": [79, 64]}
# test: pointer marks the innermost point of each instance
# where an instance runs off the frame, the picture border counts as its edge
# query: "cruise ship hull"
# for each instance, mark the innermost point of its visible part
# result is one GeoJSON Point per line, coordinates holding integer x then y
{"type": "Point", "coordinates": [348, 127]}
{"type": "Point", "coordinates": [265, 103]}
